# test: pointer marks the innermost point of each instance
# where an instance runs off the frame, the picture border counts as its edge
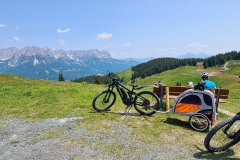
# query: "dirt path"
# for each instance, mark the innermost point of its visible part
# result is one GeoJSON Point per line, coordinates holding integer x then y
{"type": "Point", "coordinates": [216, 71]}
{"type": "Point", "coordinates": [212, 72]}
{"type": "Point", "coordinates": [226, 112]}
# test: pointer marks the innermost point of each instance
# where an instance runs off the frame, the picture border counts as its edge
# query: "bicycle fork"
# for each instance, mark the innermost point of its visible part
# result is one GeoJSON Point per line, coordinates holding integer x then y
{"type": "Point", "coordinates": [231, 135]}
{"type": "Point", "coordinates": [107, 97]}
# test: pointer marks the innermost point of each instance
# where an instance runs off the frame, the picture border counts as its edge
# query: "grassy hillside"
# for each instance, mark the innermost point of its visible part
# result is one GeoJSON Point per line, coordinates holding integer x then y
{"type": "Point", "coordinates": [234, 68]}
{"type": "Point", "coordinates": [227, 79]}
{"type": "Point", "coordinates": [34, 99]}
{"type": "Point", "coordinates": [126, 75]}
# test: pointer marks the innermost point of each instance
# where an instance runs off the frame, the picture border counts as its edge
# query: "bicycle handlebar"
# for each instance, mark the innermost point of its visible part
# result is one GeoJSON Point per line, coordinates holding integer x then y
{"type": "Point", "coordinates": [111, 75]}
{"type": "Point", "coordinates": [135, 86]}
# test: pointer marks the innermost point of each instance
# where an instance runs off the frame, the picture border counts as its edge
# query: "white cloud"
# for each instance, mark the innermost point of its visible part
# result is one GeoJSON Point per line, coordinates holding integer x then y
{"type": "Point", "coordinates": [198, 45]}
{"type": "Point", "coordinates": [17, 27]}
{"type": "Point", "coordinates": [2, 25]}
{"type": "Point", "coordinates": [16, 39]}
{"type": "Point", "coordinates": [63, 31]}
{"type": "Point", "coordinates": [61, 41]}
{"type": "Point", "coordinates": [171, 49]}
{"type": "Point", "coordinates": [163, 49]}
{"type": "Point", "coordinates": [104, 36]}
{"type": "Point", "coordinates": [128, 44]}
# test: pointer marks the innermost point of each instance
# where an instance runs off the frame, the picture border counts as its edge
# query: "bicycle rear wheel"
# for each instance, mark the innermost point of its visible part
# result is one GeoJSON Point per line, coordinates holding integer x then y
{"type": "Point", "coordinates": [104, 100]}
{"type": "Point", "coordinates": [223, 135]}
{"type": "Point", "coordinates": [146, 103]}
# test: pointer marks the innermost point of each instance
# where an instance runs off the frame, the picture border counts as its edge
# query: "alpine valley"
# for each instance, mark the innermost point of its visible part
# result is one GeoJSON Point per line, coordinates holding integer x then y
{"type": "Point", "coordinates": [46, 63]}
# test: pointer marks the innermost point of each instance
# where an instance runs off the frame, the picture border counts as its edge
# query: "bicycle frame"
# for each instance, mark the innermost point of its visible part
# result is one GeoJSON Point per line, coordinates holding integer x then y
{"type": "Point", "coordinates": [125, 93]}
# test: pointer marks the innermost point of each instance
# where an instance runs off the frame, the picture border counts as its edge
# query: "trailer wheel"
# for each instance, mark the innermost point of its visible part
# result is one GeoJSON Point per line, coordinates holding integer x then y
{"type": "Point", "coordinates": [199, 122]}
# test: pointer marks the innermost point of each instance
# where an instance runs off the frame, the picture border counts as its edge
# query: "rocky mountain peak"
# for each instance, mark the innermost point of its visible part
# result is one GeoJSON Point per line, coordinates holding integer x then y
{"type": "Point", "coordinates": [47, 63]}
{"type": "Point", "coordinates": [57, 53]}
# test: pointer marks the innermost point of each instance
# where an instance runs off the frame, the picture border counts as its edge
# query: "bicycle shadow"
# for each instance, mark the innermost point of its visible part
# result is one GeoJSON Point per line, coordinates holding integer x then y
{"type": "Point", "coordinates": [118, 113]}
{"type": "Point", "coordinates": [127, 114]}
{"type": "Point", "coordinates": [124, 114]}
{"type": "Point", "coordinates": [204, 154]}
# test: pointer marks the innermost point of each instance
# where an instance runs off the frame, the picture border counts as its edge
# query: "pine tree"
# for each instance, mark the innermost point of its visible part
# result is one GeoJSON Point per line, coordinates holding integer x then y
{"type": "Point", "coordinates": [107, 81]}
{"type": "Point", "coordinates": [60, 77]}
{"type": "Point", "coordinates": [96, 80]}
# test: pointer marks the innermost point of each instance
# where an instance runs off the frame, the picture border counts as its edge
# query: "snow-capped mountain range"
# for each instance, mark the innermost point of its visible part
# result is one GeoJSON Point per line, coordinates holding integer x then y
{"type": "Point", "coordinates": [194, 55]}
{"type": "Point", "coordinates": [46, 63]}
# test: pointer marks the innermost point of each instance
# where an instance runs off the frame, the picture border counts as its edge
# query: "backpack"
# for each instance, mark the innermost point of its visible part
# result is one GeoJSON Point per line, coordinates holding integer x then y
{"type": "Point", "coordinates": [200, 86]}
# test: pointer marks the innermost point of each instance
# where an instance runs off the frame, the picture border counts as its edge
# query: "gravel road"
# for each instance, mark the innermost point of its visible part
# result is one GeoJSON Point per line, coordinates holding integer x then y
{"type": "Point", "coordinates": [65, 139]}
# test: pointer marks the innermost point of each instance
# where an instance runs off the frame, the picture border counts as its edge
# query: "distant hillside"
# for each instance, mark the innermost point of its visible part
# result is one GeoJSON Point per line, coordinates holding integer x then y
{"type": "Point", "coordinates": [141, 60]}
{"type": "Point", "coordinates": [160, 65]}
{"type": "Point", "coordinates": [143, 70]}
{"type": "Point", "coordinates": [220, 59]}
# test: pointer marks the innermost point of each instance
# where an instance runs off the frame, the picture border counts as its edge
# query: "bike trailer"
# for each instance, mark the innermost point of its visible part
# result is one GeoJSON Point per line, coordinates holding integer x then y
{"type": "Point", "coordinates": [198, 105]}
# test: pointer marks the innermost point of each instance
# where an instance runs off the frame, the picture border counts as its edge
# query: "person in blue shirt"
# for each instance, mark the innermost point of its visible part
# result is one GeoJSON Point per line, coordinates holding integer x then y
{"type": "Point", "coordinates": [208, 83]}
{"type": "Point", "coordinates": [205, 83]}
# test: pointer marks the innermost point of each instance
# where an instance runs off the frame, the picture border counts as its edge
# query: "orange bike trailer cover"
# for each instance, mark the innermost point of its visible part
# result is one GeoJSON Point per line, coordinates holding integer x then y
{"type": "Point", "coordinates": [187, 107]}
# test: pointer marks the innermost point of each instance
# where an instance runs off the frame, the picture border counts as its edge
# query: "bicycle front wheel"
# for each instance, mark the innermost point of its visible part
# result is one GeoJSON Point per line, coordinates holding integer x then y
{"type": "Point", "coordinates": [104, 100]}
{"type": "Point", "coordinates": [146, 103]}
{"type": "Point", "coordinates": [223, 135]}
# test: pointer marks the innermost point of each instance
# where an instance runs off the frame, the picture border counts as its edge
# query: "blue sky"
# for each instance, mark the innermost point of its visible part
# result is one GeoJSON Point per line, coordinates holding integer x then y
{"type": "Point", "coordinates": [124, 28]}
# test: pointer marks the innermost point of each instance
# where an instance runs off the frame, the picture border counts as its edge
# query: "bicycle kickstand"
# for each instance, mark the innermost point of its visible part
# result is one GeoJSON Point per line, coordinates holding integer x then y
{"type": "Point", "coordinates": [127, 110]}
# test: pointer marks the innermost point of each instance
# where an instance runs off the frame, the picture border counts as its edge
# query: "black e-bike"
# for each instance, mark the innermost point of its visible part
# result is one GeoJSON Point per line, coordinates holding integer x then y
{"type": "Point", "coordinates": [145, 102]}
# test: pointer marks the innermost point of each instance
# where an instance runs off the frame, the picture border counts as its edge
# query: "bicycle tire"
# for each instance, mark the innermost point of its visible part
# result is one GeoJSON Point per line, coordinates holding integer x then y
{"type": "Point", "coordinates": [199, 122]}
{"type": "Point", "coordinates": [216, 140]}
{"type": "Point", "coordinates": [146, 103]}
{"type": "Point", "coordinates": [100, 103]}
